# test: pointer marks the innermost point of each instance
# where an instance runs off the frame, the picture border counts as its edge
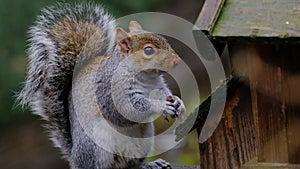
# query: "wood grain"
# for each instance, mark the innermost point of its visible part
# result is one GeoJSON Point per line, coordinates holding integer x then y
{"type": "Point", "coordinates": [233, 143]}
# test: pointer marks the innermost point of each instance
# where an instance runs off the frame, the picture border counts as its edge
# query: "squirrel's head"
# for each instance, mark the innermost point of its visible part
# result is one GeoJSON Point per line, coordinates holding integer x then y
{"type": "Point", "coordinates": [146, 48]}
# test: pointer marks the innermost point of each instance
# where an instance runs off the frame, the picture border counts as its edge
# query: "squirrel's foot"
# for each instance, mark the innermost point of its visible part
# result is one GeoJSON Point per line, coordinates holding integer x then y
{"type": "Point", "coordinates": [157, 164]}
{"type": "Point", "coordinates": [175, 107]}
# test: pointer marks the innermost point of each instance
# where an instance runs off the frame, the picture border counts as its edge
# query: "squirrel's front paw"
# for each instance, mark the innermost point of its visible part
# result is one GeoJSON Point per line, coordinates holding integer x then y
{"type": "Point", "coordinates": [157, 164]}
{"type": "Point", "coordinates": [175, 107]}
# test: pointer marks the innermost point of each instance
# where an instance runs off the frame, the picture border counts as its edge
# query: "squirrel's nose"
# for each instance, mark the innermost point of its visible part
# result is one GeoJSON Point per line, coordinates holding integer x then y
{"type": "Point", "coordinates": [171, 60]}
{"type": "Point", "coordinates": [177, 60]}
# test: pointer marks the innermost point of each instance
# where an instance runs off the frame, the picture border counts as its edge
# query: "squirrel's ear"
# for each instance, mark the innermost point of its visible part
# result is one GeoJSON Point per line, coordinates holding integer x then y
{"type": "Point", "coordinates": [123, 39]}
{"type": "Point", "coordinates": [135, 26]}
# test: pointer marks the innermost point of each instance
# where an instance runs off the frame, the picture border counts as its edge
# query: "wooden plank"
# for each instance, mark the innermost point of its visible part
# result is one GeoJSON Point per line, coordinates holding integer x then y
{"type": "Point", "coordinates": [266, 90]}
{"type": "Point", "coordinates": [255, 165]}
{"type": "Point", "coordinates": [209, 14]}
{"type": "Point", "coordinates": [274, 76]}
{"type": "Point", "coordinates": [293, 135]}
{"type": "Point", "coordinates": [233, 142]}
{"type": "Point", "coordinates": [290, 85]}
{"type": "Point", "coordinates": [253, 18]}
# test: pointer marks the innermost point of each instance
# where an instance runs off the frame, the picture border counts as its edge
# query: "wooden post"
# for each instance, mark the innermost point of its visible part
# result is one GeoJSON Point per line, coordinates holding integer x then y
{"type": "Point", "coordinates": [261, 122]}
{"type": "Point", "coordinates": [233, 142]}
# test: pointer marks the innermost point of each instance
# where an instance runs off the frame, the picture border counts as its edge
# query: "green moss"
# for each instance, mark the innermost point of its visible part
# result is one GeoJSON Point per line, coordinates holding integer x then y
{"type": "Point", "coordinates": [256, 18]}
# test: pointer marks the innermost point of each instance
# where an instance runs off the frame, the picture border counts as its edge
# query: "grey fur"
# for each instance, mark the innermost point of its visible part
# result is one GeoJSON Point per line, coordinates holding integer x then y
{"type": "Point", "coordinates": [48, 89]}
{"type": "Point", "coordinates": [45, 63]}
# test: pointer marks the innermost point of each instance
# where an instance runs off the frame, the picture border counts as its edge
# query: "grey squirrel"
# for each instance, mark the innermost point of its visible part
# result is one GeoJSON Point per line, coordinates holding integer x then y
{"type": "Point", "coordinates": [57, 41]}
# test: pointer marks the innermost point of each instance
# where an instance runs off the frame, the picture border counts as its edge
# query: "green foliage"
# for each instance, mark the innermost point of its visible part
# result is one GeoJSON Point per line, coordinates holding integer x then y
{"type": "Point", "coordinates": [15, 18]}
{"type": "Point", "coordinates": [129, 6]}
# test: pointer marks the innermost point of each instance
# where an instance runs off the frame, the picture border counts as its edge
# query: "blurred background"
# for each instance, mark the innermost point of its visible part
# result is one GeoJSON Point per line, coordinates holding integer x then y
{"type": "Point", "coordinates": [23, 142]}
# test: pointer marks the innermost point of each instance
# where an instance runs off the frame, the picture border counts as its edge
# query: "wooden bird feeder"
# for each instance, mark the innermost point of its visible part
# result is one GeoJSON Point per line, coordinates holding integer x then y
{"type": "Point", "coordinates": [260, 127]}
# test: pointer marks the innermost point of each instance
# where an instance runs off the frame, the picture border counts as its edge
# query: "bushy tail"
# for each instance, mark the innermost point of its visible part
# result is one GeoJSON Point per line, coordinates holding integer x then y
{"type": "Point", "coordinates": [57, 38]}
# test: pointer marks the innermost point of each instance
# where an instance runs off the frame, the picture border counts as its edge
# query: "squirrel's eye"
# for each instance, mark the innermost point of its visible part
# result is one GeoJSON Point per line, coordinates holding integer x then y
{"type": "Point", "coordinates": [148, 50]}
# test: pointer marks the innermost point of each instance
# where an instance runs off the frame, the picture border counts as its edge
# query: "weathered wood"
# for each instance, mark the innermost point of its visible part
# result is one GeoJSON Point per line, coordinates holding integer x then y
{"type": "Point", "coordinates": [291, 95]}
{"type": "Point", "coordinates": [276, 110]}
{"type": "Point", "coordinates": [265, 122]}
{"type": "Point", "coordinates": [209, 14]}
{"type": "Point", "coordinates": [274, 78]}
{"type": "Point", "coordinates": [233, 143]}
{"type": "Point", "coordinates": [199, 115]}
{"type": "Point", "coordinates": [252, 19]}
{"type": "Point", "coordinates": [256, 165]}
{"type": "Point", "coordinates": [268, 107]}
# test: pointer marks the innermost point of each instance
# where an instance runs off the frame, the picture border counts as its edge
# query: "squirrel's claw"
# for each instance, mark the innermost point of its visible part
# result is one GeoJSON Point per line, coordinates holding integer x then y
{"type": "Point", "coordinates": [164, 115]}
{"type": "Point", "coordinates": [157, 164]}
{"type": "Point", "coordinates": [179, 106]}
{"type": "Point", "coordinates": [163, 164]}
{"type": "Point", "coordinates": [175, 107]}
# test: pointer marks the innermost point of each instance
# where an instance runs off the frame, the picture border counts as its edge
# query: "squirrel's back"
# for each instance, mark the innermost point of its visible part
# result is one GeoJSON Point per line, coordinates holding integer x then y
{"type": "Point", "coordinates": [56, 40]}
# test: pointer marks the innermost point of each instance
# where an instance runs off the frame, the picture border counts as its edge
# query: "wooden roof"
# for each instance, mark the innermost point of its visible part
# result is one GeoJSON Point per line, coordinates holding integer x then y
{"type": "Point", "coordinates": [250, 18]}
